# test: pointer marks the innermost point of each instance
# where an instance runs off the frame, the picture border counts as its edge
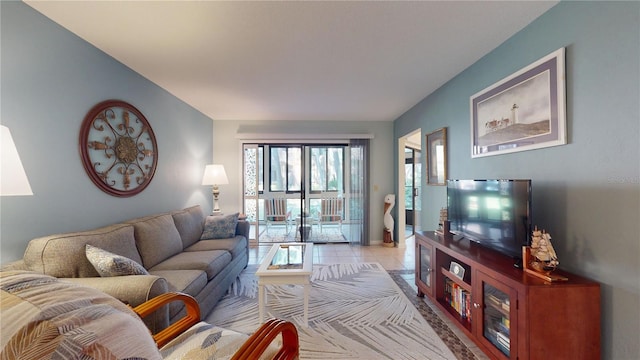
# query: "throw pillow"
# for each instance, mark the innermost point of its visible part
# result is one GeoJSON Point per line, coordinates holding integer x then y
{"type": "Point", "coordinates": [220, 227]}
{"type": "Point", "coordinates": [109, 264]}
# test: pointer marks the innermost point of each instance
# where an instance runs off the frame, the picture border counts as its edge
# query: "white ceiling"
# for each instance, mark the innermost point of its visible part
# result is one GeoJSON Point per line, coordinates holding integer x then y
{"type": "Point", "coordinates": [296, 60]}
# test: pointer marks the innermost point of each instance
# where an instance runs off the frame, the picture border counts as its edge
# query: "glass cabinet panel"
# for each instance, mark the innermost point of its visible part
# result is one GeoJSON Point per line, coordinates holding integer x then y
{"type": "Point", "coordinates": [497, 319]}
{"type": "Point", "coordinates": [424, 267]}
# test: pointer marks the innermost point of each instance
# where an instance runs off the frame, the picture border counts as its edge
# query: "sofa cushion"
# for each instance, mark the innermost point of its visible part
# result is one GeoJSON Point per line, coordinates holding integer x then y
{"type": "Point", "coordinates": [220, 227]}
{"type": "Point", "coordinates": [109, 264]}
{"type": "Point", "coordinates": [157, 238]}
{"type": "Point", "coordinates": [236, 245]}
{"type": "Point", "coordinates": [63, 255]}
{"type": "Point", "coordinates": [185, 281]}
{"type": "Point", "coordinates": [211, 262]}
{"type": "Point", "coordinates": [43, 317]}
{"type": "Point", "coordinates": [189, 223]}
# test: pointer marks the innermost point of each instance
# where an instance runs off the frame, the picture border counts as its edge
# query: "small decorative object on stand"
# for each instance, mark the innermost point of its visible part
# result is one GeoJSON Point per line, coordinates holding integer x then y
{"type": "Point", "coordinates": [540, 258]}
{"type": "Point", "coordinates": [387, 236]}
{"type": "Point", "coordinates": [443, 223]}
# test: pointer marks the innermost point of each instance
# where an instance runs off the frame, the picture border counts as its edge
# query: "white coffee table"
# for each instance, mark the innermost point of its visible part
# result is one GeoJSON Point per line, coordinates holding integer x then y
{"type": "Point", "coordinates": [286, 264]}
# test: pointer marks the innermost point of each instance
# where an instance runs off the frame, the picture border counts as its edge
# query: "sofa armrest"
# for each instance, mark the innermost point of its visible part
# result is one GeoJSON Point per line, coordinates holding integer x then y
{"type": "Point", "coordinates": [14, 265]}
{"type": "Point", "coordinates": [132, 290]}
{"type": "Point", "coordinates": [243, 228]}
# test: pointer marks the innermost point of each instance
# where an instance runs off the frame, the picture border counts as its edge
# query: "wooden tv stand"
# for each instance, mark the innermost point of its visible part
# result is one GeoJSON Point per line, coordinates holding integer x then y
{"type": "Point", "coordinates": [508, 313]}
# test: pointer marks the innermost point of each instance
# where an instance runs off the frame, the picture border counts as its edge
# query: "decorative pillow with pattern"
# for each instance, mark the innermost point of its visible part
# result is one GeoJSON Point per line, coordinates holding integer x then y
{"type": "Point", "coordinates": [108, 264]}
{"type": "Point", "coordinates": [220, 227]}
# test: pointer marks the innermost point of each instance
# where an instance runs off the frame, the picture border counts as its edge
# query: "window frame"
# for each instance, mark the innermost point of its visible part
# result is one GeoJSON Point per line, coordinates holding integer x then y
{"type": "Point", "coordinates": [286, 177]}
{"type": "Point", "coordinates": [326, 165]}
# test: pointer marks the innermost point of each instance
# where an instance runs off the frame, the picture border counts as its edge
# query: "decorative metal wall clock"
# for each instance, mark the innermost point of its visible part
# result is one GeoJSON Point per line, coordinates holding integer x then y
{"type": "Point", "coordinates": [118, 148]}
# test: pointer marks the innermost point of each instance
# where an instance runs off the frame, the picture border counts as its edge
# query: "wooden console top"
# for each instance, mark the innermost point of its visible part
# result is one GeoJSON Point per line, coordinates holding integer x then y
{"type": "Point", "coordinates": [475, 255]}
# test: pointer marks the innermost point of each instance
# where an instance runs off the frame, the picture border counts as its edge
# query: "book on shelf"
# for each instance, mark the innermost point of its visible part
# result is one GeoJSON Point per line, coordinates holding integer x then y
{"type": "Point", "coordinates": [506, 305]}
{"type": "Point", "coordinates": [498, 303]}
{"type": "Point", "coordinates": [458, 298]}
{"type": "Point", "coordinates": [503, 329]}
{"type": "Point", "coordinates": [493, 300]}
{"type": "Point", "coordinates": [503, 339]}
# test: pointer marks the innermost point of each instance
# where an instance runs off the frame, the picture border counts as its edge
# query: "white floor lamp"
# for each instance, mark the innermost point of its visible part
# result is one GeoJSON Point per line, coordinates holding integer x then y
{"type": "Point", "coordinates": [215, 175]}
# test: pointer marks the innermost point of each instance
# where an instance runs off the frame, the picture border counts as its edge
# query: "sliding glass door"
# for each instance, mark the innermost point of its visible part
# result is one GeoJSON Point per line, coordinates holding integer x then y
{"type": "Point", "coordinates": [305, 192]}
{"type": "Point", "coordinates": [287, 188]}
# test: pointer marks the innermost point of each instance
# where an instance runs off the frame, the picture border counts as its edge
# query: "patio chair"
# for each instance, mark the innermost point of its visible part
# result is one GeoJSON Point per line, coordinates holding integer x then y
{"type": "Point", "coordinates": [276, 213]}
{"type": "Point", "coordinates": [331, 211]}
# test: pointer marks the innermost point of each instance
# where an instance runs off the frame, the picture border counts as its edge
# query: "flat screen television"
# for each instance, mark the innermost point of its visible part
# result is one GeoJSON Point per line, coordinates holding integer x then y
{"type": "Point", "coordinates": [494, 213]}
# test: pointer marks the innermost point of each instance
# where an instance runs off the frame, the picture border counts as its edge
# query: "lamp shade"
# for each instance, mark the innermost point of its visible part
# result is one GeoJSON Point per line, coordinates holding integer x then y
{"type": "Point", "coordinates": [13, 179]}
{"type": "Point", "coordinates": [214, 175]}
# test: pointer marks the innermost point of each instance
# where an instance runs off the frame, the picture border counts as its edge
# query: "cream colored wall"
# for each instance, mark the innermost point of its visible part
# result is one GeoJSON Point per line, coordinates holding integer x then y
{"type": "Point", "coordinates": [227, 150]}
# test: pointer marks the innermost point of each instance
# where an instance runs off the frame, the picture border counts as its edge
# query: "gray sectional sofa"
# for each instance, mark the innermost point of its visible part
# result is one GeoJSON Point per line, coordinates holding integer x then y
{"type": "Point", "coordinates": [167, 245]}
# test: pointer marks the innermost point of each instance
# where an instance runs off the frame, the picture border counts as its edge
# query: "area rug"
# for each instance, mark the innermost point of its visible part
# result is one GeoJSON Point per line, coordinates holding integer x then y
{"type": "Point", "coordinates": [356, 311]}
{"type": "Point", "coordinates": [453, 342]}
{"type": "Point", "coordinates": [329, 234]}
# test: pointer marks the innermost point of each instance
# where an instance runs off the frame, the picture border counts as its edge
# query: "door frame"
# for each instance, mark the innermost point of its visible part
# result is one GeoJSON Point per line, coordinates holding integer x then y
{"type": "Point", "coordinates": [401, 208]}
{"type": "Point", "coordinates": [416, 158]}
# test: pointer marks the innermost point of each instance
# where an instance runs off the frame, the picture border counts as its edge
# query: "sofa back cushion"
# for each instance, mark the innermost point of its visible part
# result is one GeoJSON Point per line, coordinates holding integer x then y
{"type": "Point", "coordinates": [189, 223]}
{"type": "Point", "coordinates": [63, 255]}
{"type": "Point", "coordinates": [157, 238]}
{"type": "Point", "coordinates": [43, 317]}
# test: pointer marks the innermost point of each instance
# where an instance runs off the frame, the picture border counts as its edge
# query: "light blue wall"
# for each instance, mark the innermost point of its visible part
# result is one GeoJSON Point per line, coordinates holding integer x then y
{"type": "Point", "coordinates": [586, 193]}
{"type": "Point", "coordinates": [50, 79]}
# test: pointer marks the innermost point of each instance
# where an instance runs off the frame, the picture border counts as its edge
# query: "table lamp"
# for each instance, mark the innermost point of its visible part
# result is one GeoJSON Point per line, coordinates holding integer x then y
{"type": "Point", "coordinates": [215, 175]}
{"type": "Point", "coordinates": [13, 179]}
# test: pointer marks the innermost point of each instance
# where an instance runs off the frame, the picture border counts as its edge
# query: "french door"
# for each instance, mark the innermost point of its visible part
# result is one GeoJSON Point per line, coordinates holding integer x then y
{"type": "Point", "coordinates": [302, 174]}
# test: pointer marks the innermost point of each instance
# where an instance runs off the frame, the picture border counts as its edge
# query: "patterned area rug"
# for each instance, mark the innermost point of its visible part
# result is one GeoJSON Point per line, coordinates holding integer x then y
{"type": "Point", "coordinates": [356, 311]}
{"type": "Point", "coordinates": [329, 234]}
{"type": "Point", "coordinates": [461, 351]}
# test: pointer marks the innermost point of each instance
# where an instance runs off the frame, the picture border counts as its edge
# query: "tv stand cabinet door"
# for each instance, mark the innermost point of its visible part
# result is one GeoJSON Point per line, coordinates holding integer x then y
{"type": "Point", "coordinates": [424, 267]}
{"type": "Point", "coordinates": [496, 316]}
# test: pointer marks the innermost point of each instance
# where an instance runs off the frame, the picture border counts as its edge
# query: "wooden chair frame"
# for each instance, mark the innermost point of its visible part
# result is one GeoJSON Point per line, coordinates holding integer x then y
{"type": "Point", "coordinates": [251, 349]}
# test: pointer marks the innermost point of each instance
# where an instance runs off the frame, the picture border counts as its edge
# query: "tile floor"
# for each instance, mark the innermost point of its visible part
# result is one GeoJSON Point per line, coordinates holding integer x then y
{"type": "Point", "coordinates": [389, 258]}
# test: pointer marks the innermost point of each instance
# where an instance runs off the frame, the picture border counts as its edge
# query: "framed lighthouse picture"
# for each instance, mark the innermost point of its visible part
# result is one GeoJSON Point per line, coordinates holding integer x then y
{"type": "Point", "coordinates": [523, 111]}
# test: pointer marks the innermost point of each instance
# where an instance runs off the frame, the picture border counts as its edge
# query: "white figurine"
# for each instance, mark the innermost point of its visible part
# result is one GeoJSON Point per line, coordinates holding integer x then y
{"type": "Point", "coordinates": [389, 203]}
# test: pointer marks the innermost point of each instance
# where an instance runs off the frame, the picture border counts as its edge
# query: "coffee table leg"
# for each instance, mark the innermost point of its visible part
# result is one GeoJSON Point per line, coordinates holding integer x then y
{"type": "Point", "coordinates": [261, 302]}
{"type": "Point", "coordinates": [306, 304]}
